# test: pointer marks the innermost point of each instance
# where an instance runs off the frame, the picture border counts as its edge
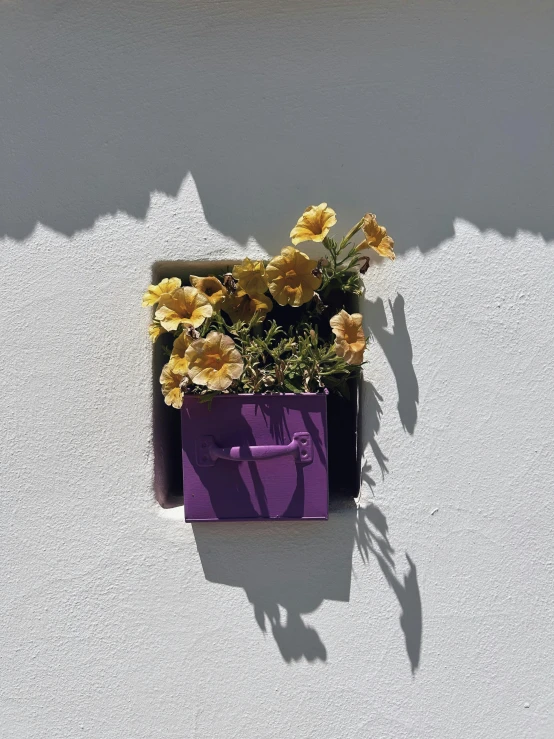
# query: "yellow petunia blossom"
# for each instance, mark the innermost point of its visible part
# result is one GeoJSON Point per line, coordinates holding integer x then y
{"type": "Point", "coordinates": [184, 307]}
{"type": "Point", "coordinates": [241, 306]}
{"type": "Point", "coordinates": [211, 287]}
{"type": "Point", "coordinates": [314, 224]}
{"type": "Point", "coordinates": [214, 362]}
{"type": "Point", "coordinates": [170, 381]}
{"type": "Point", "coordinates": [155, 330]}
{"type": "Point", "coordinates": [291, 278]}
{"type": "Point", "coordinates": [350, 338]}
{"type": "Point", "coordinates": [376, 237]}
{"type": "Point", "coordinates": [155, 292]}
{"type": "Point", "coordinates": [179, 361]}
{"type": "Point", "coordinates": [251, 277]}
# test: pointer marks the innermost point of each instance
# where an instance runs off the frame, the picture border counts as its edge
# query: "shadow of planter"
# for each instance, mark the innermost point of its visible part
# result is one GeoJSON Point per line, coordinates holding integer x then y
{"type": "Point", "coordinates": [286, 570]}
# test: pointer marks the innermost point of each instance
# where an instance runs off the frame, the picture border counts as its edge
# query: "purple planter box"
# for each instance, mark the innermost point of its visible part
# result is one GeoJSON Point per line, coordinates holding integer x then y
{"type": "Point", "coordinates": [255, 457]}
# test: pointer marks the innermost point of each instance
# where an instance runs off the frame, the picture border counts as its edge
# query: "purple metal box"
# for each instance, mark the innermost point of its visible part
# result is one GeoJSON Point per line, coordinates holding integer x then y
{"type": "Point", "coordinates": [255, 457]}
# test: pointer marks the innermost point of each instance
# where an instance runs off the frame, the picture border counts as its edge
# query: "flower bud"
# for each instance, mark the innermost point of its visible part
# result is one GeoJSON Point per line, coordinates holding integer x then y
{"type": "Point", "coordinates": [319, 305]}
{"type": "Point", "coordinates": [192, 332]}
{"type": "Point", "coordinates": [229, 282]}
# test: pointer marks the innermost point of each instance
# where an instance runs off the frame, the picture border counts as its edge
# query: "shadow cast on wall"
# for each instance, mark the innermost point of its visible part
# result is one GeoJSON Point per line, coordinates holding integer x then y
{"type": "Point", "coordinates": [397, 348]}
{"type": "Point", "coordinates": [289, 569]}
{"type": "Point", "coordinates": [422, 114]}
{"type": "Point", "coordinates": [372, 538]}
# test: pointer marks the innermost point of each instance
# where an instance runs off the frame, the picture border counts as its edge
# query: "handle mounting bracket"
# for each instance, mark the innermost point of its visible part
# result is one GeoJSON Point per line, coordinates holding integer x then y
{"type": "Point", "coordinates": [301, 448]}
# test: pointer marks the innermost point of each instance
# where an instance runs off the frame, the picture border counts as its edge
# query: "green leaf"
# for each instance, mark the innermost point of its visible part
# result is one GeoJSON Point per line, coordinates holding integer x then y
{"type": "Point", "coordinates": [290, 386]}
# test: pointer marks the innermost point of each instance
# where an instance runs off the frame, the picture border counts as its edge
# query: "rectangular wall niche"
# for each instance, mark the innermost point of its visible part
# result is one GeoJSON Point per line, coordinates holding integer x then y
{"type": "Point", "coordinates": [343, 417]}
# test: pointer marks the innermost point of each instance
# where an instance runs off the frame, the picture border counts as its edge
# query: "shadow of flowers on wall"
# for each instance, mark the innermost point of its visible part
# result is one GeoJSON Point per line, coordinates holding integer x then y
{"type": "Point", "coordinates": [397, 348]}
{"type": "Point", "coordinates": [287, 570]}
{"type": "Point", "coordinates": [372, 539]}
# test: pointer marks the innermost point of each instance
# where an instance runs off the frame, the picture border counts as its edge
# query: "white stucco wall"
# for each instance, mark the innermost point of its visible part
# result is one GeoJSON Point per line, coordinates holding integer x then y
{"type": "Point", "coordinates": [134, 132]}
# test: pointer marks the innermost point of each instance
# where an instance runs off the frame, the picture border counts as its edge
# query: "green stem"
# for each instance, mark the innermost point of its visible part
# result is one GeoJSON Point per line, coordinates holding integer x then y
{"type": "Point", "coordinates": [354, 230]}
{"type": "Point", "coordinates": [328, 244]}
{"type": "Point", "coordinates": [351, 255]}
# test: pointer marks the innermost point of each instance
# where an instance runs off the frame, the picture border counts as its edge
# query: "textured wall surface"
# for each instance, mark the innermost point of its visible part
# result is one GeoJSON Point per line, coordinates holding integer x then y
{"type": "Point", "coordinates": [137, 131]}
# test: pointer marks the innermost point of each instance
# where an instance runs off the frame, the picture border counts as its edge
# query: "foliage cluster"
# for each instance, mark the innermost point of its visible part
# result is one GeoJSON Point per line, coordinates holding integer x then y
{"type": "Point", "coordinates": [280, 326]}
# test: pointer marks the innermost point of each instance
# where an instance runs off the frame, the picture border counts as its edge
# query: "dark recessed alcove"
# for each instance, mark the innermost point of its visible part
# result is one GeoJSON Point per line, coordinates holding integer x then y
{"type": "Point", "coordinates": [343, 419]}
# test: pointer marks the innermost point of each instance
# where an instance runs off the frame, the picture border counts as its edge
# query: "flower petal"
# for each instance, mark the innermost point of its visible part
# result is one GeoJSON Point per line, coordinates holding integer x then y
{"type": "Point", "coordinates": [214, 361]}
{"type": "Point", "coordinates": [219, 380]}
{"type": "Point", "coordinates": [201, 376]}
{"type": "Point", "coordinates": [350, 340]}
{"type": "Point", "coordinates": [314, 224]}
{"type": "Point", "coordinates": [181, 365]}
{"type": "Point", "coordinates": [174, 398]}
{"type": "Point", "coordinates": [170, 381]}
{"type": "Point", "coordinates": [241, 306]}
{"type": "Point", "coordinates": [154, 292]}
{"type": "Point", "coordinates": [291, 278]}
{"type": "Point", "coordinates": [234, 369]}
{"type": "Point", "coordinates": [168, 318]}
{"type": "Point", "coordinates": [211, 287]}
{"type": "Point", "coordinates": [185, 306]}
{"type": "Point", "coordinates": [155, 330]}
{"type": "Point", "coordinates": [251, 276]}
{"type": "Point", "coordinates": [181, 344]}
{"type": "Point", "coordinates": [376, 237]}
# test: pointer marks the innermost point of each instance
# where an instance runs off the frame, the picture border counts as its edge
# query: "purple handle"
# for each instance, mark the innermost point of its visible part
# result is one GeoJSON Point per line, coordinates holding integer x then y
{"type": "Point", "coordinates": [207, 451]}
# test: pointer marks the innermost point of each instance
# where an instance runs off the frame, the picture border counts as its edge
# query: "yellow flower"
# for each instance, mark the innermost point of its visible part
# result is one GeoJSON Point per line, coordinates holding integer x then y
{"type": "Point", "coordinates": [291, 278]}
{"type": "Point", "coordinates": [185, 306]}
{"type": "Point", "coordinates": [155, 330]}
{"type": "Point", "coordinates": [376, 237]}
{"type": "Point", "coordinates": [350, 339]}
{"type": "Point", "coordinates": [180, 363]}
{"type": "Point", "coordinates": [214, 361]}
{"type": "Point", "coordinates": [211, 287]}
{"type": "Point", "coordinates": [251, 277]}
{"type": "Point", "coordinates": [314, 224]}
{"type": "Point", "coordinates": [171, 381]}
{"type": "Point", "coordinates": [155, 292]}
{"type": "Point", "coordinates": [241, 306]}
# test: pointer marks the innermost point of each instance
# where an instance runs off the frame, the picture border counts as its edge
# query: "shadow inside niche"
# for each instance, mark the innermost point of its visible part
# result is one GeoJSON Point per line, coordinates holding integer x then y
{"type": "Point", "coordinates": [166, 421]}
{"type": "Point", "coordinates": [287, 570]}
{"type": "Point", "coordinates": [166, 437]}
